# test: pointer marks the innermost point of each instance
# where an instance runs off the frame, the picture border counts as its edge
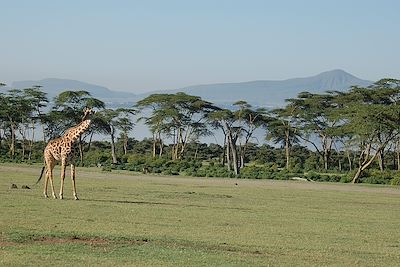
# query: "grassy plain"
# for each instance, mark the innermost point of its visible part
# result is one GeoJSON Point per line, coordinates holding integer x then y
{"type": "Point", "coordinates": [124, 219]}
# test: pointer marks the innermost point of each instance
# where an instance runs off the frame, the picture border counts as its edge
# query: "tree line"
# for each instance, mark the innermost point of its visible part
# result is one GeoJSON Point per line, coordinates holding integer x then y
{"type": "Point", "coordinates": [348, 131]}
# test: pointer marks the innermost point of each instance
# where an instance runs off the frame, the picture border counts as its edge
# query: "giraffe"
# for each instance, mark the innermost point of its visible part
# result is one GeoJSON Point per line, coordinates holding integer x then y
{"type": "Point", "coordinates": [64, 149]}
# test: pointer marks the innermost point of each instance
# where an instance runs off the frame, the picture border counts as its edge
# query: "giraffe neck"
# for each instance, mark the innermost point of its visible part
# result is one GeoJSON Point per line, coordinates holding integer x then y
{"type": "Point", "coordinates": [74, 133]}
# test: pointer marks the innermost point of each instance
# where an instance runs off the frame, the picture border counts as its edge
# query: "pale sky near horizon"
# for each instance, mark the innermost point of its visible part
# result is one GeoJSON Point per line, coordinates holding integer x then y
{"type": "Point", "coordinates": [140, 46]}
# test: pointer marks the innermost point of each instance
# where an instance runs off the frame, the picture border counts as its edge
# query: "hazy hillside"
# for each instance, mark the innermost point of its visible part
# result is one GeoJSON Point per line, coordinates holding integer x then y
{"type": "Point", "coordinates": [273, 93]}
{"type": "Point", "coordinates": [260, 93]}
{"type": "Point", "coordinates": [54, 86]}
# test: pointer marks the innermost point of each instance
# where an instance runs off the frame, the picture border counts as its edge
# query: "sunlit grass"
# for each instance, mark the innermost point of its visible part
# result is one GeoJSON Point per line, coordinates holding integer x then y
{"type": "Point", "coordinates": [125, 219]}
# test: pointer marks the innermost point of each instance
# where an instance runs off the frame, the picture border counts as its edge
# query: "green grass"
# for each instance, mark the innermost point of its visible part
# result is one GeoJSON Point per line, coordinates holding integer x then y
{"type": "Point", "coordinates": [135, 220]}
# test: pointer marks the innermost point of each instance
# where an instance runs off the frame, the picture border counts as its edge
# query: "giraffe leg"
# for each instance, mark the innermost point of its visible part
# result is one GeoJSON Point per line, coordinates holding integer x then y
{"type": "Point", "coordinates": [63, 167]}
{"type": "Point", "coordinates": [46, 178]}
{"type": "Point", "coordinates": [73, 174]}
{"type": "Point", "coordinates": [52, 164]}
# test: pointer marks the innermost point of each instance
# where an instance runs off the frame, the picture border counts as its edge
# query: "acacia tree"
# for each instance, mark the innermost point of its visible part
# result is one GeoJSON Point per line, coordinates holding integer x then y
{"type": "Point", "coordinates": [38, 100]}
{"type": "Point", "coordinates": [15, 113]}
{"type": "Point", "coordinates": [109, 120]}
{"type": "Point", "coordinates": [372, 115]}
{"type": "Point", "coordinates": [179, 116]}
{"type": "Point", "coordinates": [225, 120]}
{"type": "Point", "coordinates": [125, 124]}
{"type": "Point", "coordinates": [314, 119]}
{"type": "Point", "coordinates": [281, 129]}
{"type": "Point", "coordinates": [156, 121]}
{"type": "Point", "coordinates": [248, 120]}
{"type": "Point", "coordinates": [18, 115]}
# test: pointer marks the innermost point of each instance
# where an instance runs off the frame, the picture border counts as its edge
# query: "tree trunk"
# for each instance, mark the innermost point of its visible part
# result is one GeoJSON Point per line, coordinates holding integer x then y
{"type": "Point", "coordinates": [326, 165]}
{"type": "Point", "coordinates": [125, 143]}
{"type": "Point", "coordinates": [1, 137]}
{"type": "Point", "coordinates": [196, 151]}
{"type": "Point", "coordinates": [287, 150]}
{"type": "Point", "coordinates": [327, 152]}
{"type": "Point", "coordinates": [357, 175]}
{"type": "Point", "coordinates": [22, 132]}
{"type": "Point", "coordinates": [175, 147]}
{"type": "Point", "coordinates": [12, 145]}
{"type": "Point", "coordinates": [381, 161]}
{"type": "Point", "coordinates": [154, 145]}
{"type": "Point", "coordinates": [80, 150]}
{"type": "Point", "coordinates": [398, 159]}
{"type": "Point", "coordinates": [44, 133]}
{"type": "Point", "coordinates": [366, 162]}
{"type": "Point", "coordinates": [32, 141]}
{"type": "Point", "coordinates": [233, 150]}
{"type": "Point", "coordinates": [184, 141]}
{"type": "Point", "coordinates": [114, 156]}
{"type": "Point", "coordinates": [160, 144]}
{"type": "Point", "coordinates": [125, 148]}
{"type": "Point", "coordinates": [234, 159]}
{"type": "Point", "coordinates": [224, 152]}
{"type": "Point", "coordinates": [327, 148]}
{"type": "Point", "coordinates": [241, 153]}
{"type": "Point", "coordinates": [228, 156]}
{"type": "Point", "coordinates": [349, 160]}
{"type": "Point", "coordinates": [90, 141]}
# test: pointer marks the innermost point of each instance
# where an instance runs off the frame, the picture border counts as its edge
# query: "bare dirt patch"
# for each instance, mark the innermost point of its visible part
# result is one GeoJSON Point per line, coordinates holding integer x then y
{"type": "Point", "coordinates": [7, 244]}
{"type": "Point", "coordinates": [71, 240]}
{"type": "Point", "coordinates": [96, 241]}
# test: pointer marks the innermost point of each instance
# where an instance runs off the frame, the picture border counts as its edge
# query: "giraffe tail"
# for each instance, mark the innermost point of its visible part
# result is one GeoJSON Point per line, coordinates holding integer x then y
{"type": "Point", "coordinates": [41, 174]}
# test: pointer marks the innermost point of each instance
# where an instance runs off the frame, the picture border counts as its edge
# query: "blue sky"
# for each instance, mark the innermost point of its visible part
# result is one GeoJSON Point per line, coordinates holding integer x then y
{"type": "Point", "coordinates": [144, 45]}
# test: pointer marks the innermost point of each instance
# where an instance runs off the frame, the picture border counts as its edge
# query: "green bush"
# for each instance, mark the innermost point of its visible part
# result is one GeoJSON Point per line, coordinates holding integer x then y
{"type": "Point", "coordinates": [283, 174]}
{"type": "Point", "coordinates": [377, 177]}
{"type": "Point", "coordinates": [395, 180]}
{"type": "Point", "coordinates": [106, 169]}
{"type": "Point", "coordinates": [258, 172]}
{"type": "Point", "coordinates": [213, 168]}
{"type": "Point", "coordinates": [346, 178]}
{"type": "Point", "coordinates": [373, 177]}
{"type": "Point", "coordinates": [297, 168]}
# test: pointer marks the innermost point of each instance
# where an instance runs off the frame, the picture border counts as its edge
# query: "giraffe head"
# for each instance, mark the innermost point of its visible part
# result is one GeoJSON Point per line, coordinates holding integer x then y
{"type": "Point", "coordinates": [87, 113]}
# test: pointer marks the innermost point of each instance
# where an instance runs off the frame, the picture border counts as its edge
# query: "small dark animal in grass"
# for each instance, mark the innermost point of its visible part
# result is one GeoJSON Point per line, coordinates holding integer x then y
{"type": "Point", "coordinates": [13, 186]}
{"type": "Point", "coordinates": [25, 187]}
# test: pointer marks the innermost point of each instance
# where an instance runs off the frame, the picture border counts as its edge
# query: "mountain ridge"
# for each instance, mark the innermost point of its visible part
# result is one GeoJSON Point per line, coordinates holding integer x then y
{"type": "Point", "coordinates": [54, 86]}
{"type": "Point", "coordinates": [268, 93]}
